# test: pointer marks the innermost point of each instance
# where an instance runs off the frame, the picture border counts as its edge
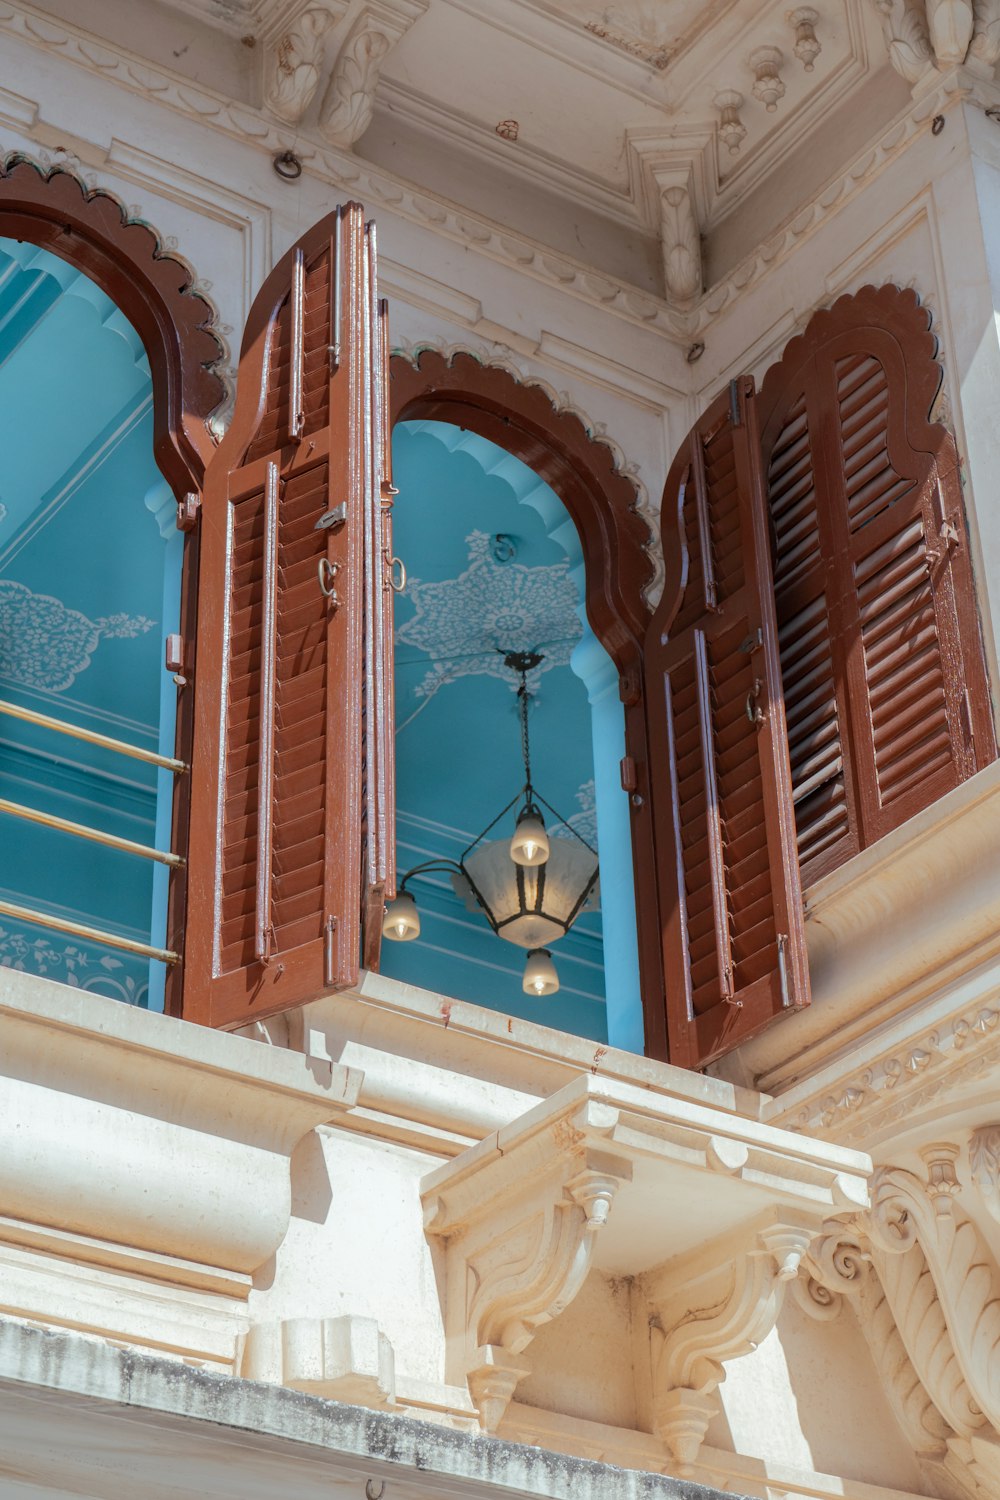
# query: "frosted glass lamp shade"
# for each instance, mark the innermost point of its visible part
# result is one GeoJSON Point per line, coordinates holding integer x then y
{"type": "Point", "coordinates": [401, 923]}
{"type": "Point", "coordinates": [532, 905]}
{"type": "Point", "coordinates": [530, 844]}
{"type": "Point", "coordinates": [540, 977]}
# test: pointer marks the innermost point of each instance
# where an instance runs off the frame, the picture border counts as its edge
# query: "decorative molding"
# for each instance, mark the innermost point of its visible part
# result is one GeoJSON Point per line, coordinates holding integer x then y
{"type": "Point", "coordinates": [380, 188]}
{"type": "Point", "coordinates": [943, 1286]}
{"type": "Point", "coordinates": [342, 1359]}
{"type": "Point", "coordinates": [151, 287]}
{"type": "Point", "coordinates": [807, 46]}
{"type": "Point", "coordinates": [984, 1162]}
{"type": "Point", "coordinates": [294, 61]}
{"type": "Point", "coordinates": [732, 131]}
{"type": "Point", "coordinates": [907, 1020]}
{"type": "Point", "coordinates": [349, 101]}
{"type": "Point", "coordinates": [768, 85]}
{"type": "Point", "coordinates": [954, 89]}
{"type": "Point", "coordinates": [941, 1059]}
{"type": "Point", "coordinates": [581, 466]}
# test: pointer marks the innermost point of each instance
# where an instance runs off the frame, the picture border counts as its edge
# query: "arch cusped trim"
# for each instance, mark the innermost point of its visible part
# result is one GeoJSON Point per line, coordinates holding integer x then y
{"type": "Point", "coordinates": [89, 228]}
{"type": "Point", "coordinates": [522, 419]}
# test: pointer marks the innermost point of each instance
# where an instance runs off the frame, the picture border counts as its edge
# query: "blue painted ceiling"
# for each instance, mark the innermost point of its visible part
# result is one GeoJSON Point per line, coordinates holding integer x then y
{"type": "Point", "coordinates": [494, 565]}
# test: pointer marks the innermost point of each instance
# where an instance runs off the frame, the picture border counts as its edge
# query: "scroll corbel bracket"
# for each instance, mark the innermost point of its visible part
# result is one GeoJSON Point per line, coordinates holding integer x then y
{"type": "Point", "coordinates": [716, 1316]}
{"type": "Point", "coordinates": [516, 1267]}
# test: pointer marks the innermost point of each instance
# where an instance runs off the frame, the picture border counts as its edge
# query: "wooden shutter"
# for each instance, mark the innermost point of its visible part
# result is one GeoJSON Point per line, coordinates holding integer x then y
{"type": "Point", "coordinates": [886, 690]}
{"type": "Point", "coordinates": [731, 925]}
{"type": "Point", "coordinates": [291, 774]}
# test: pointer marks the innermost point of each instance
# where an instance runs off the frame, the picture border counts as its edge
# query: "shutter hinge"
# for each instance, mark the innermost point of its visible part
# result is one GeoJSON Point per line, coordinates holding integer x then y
{"type": "Point", "coordinates": [753, 641]}
{"type": "Point", "coordinates": [174, 658]}
{"type": "Point", "coordinates": [967, 724]}
{"type": "Point", "coordinates": [188, 511]}
{"type": "Point", "coordinates": [735, 404]}
{"type": "Point", "coordinates": [786, 998]}
{"type": "Point", "coordinates": [629, 774]}
{"type": "Point", "coordinates": [329, 974]}
{"type": "Point", "coordinates": [331, 519]}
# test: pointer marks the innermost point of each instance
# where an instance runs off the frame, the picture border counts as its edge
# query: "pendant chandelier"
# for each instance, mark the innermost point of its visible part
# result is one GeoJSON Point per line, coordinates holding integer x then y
{"type": "Point", "coordinates": [529, 886]}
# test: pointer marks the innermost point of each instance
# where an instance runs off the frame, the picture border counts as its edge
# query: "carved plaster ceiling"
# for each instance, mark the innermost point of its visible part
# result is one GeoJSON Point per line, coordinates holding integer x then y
{"type": "Point", "coordinates": [567, 121]}
{"type": "Point", "coordinates": [572, 95]}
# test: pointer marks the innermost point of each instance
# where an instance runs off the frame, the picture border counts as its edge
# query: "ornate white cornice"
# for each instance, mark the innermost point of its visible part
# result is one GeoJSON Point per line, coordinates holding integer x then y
{"type": "Point", "coordinates": [380, 188]}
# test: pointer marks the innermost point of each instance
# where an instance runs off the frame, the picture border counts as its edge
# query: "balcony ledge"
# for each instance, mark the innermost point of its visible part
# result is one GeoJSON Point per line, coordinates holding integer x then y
{"type": "Point", "coordinates": [143, 1148]}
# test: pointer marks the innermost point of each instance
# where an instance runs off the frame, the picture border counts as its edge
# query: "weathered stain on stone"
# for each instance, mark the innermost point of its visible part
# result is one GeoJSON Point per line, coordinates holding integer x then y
{"type": "Point", "coordinates": [80, 1368]}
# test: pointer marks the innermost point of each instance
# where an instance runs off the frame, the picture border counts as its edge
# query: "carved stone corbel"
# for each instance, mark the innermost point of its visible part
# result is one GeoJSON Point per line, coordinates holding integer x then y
{"type": "Point", "coordinates": [949, 25]}
{"type": "Point", "coordinates": [682, 268]}
{"type": "Point", "coordinates": [508, 1278]}
{"type": "Point", "coordinates": [984, 49]}
{"type": "Point", "coordinates": [922, 34]}
{"type": "Point", "coordinates": [349, 101]}
{"type": "Point", "coordinates": [717, 1314]}
{"type": "Point", "coordinates": [904, 26]}
{"type": "Point", "coordinates": [294, 61]}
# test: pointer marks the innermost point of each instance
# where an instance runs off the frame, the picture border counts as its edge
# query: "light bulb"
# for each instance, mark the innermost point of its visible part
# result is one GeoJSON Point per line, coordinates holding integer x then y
{"type": "Point", "coordinates": [540, 977]}
{"type": "Point", "coordinates": [401, 923]}
{"type": "Point", "coordinates": [530, 844]}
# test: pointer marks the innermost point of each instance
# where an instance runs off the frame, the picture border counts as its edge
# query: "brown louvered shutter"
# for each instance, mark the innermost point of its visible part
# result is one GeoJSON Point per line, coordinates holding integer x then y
{"type": "Point", "coordinates": [886, 690]}
{"type": "Point", "coordinates": [291, 786]}
{"type": "Point", "coordinates": [730, 905]}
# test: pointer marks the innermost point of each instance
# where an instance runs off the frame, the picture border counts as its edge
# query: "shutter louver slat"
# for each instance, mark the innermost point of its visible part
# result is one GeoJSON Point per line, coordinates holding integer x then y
{"type": "Point", "coordinates": [816, 751]}
{"type": "Point", "coordinates": [275, 869]}
{"type": "Point", "coordinates": [719, 782]}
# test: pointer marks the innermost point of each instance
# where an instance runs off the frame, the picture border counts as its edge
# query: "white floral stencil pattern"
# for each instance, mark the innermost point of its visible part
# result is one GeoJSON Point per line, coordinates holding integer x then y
{"type": "Point", "coordinates": [81, 968]}
{"type": "Point", "coordinates": [45, 645]}
{"type": "Point", "coordinates": [465, 624]}
{"type": "Point", "coordinates": [584, 822]}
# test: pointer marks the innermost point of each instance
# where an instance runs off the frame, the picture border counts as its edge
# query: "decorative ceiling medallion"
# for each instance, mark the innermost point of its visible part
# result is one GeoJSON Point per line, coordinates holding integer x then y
{"type": "Point", "coordinates": [467, 624]}
{"type": "Point", "coordinates": [46, 645]}
{"type": "Point", "coordinates": [508, 130]}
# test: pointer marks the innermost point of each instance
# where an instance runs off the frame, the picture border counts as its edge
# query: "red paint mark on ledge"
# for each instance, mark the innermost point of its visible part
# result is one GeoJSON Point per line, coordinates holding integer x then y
{"type": "Point", "coordinates": [601, 1052]}
{"type": "Point", "coordinates": [446, 1012]}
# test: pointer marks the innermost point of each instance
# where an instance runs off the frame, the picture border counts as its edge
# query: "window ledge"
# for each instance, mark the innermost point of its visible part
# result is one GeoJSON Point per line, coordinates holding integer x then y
{"type": "Point", "coordinates": [887, 932]}
{"type": "Point", "coordinates": [443, 1073]}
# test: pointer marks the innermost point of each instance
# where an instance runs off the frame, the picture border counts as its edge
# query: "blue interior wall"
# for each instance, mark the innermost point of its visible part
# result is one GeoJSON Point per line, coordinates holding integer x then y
{"type": "Point", "coordinates": [458, 742]}
{"type": "Point", "coordinates": [84, 603]}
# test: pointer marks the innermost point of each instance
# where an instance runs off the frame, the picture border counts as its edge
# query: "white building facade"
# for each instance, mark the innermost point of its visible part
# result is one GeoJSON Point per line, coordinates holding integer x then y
{"type": "Point", "coordinates": [386, 1241]}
